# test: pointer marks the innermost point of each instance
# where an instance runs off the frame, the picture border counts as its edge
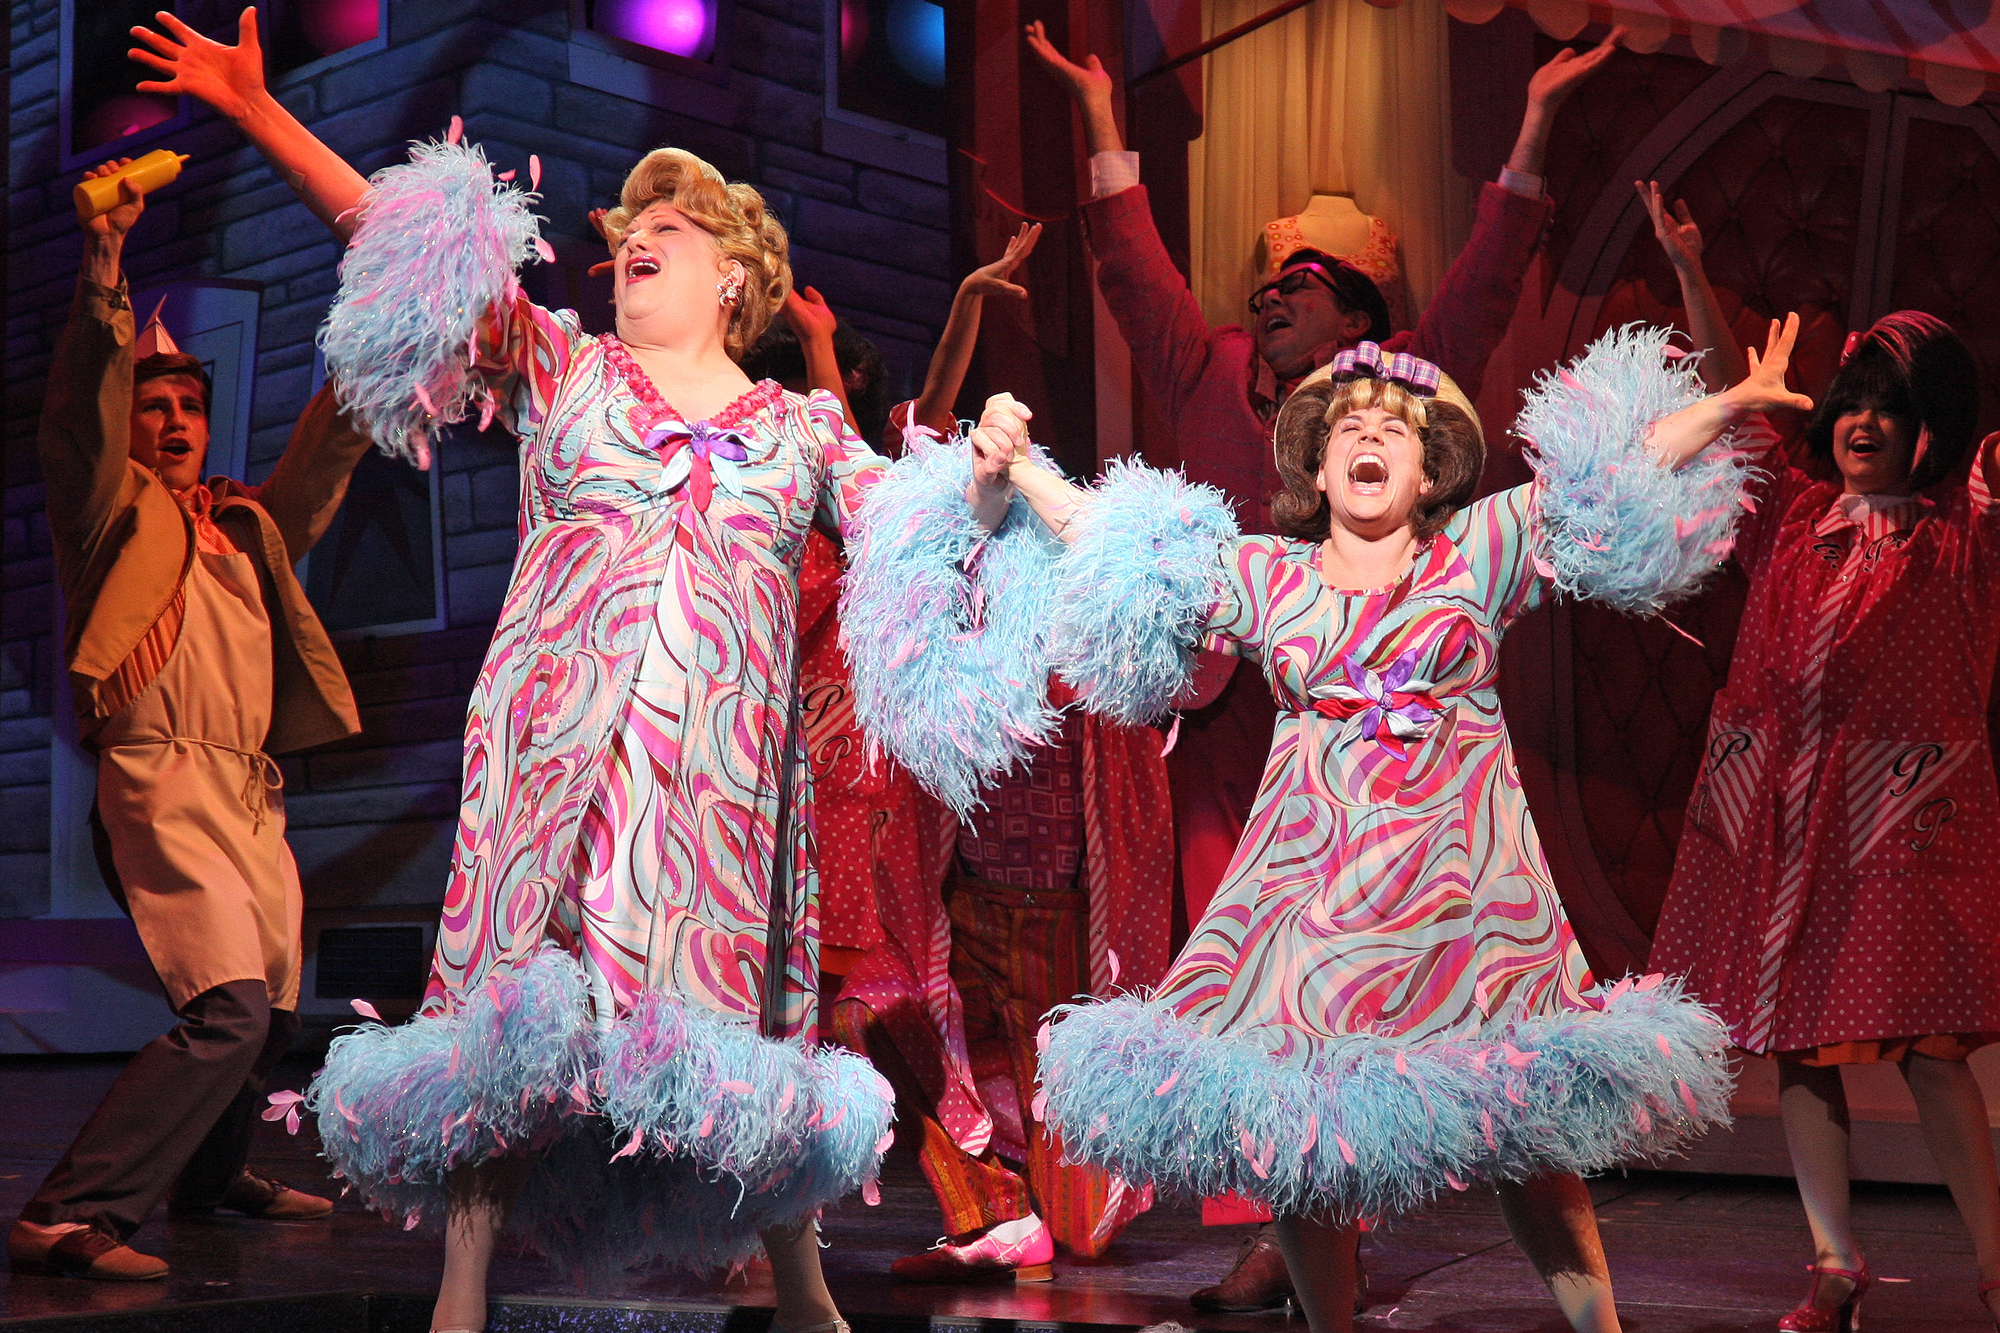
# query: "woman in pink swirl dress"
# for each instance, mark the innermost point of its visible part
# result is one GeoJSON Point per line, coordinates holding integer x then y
{"type": "Point", "coordinates": [617, 1038]}
{"type": "Point", "coordinates": [1385, 999]}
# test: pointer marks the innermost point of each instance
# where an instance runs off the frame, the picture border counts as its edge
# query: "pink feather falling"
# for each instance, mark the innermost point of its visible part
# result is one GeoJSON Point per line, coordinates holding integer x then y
{"type": "Point", "coordinates": [285, 1106]}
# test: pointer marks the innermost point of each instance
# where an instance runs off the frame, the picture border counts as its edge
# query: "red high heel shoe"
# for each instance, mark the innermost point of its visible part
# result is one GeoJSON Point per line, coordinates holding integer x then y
{"type": "Point", "coordinates": [1812, 1317]}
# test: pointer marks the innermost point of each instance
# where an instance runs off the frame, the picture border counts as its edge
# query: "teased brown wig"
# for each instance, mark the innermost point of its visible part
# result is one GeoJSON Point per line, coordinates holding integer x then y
{"type": "Point", "coordinates": [1454, 453]}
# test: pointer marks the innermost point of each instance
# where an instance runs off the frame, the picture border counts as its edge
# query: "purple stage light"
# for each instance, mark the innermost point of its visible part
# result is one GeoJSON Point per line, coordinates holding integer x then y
{"type": "Point", "coordinates": [680, 27]}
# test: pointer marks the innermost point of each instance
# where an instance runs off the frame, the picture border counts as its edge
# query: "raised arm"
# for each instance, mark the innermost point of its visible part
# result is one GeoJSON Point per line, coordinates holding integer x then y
{"type": "Point", "coordinates": [304, 491]}
{"type": "Point", "coordinates": [231, 79]}
{"type": "Point", "coordinates": [422, 333]}
{"type": "Point", "coordinates": [1089, 86]}
{"type": "Point", "coordinates": [1162, 322]}
{"type": "Point", "coordinates": [1469, 314]}
{"type": "Point", "coordinates": [1723, 363]}
{"type": "Point", "coordinates": [946, 376]}
{"type": "Point", "coordinates": [814, 322]}
{"type": "Point", "coordinates": [85, 430]}
{"type": "Point", "coordinates": [1548, 90]}
{"type": "Point", "coordinates": [1676, 439]}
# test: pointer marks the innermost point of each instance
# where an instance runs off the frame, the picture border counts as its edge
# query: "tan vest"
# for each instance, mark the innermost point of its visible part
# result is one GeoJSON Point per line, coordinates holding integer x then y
{"type": "Point", "coordinates": [124, 547]}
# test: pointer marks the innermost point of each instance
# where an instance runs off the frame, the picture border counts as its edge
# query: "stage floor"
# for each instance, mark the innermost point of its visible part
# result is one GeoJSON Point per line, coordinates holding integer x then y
{"type": "Point", "coordinates": [1690, 1254]}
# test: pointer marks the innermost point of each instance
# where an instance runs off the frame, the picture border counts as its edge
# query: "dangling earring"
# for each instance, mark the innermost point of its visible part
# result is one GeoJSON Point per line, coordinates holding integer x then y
{"type": "Point", "coordinates": [730, 289]}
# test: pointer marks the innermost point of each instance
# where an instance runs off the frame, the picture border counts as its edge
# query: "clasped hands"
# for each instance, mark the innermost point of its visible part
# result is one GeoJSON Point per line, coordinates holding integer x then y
{"type": "Point", "coordinates": [1000, 443]}
{"type": "Point", "coordinates": [1003, 461]}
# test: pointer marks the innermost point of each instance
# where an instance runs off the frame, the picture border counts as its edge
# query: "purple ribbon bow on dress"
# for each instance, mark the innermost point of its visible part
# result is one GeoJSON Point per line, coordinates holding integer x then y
{"type": "Point", "coordinates": [1390, 713]}
{"type": "Point", "coordinates": [698, 457]}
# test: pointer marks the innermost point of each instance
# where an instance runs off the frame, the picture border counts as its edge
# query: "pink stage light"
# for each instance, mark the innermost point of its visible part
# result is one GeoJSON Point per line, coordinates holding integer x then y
{"type": "Point", "coordinates": [119, 116]}
{"type": "Point", "coordinates": [681, 27]}
{"type": "Point", "coordinates": [335, 25]}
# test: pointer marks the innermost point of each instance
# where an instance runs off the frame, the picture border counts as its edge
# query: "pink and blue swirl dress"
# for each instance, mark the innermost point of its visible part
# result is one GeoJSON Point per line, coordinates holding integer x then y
{"type": "Point", "coordinates": [624, 985]}
{"type": "Point", "coordinates": [1385, 999]}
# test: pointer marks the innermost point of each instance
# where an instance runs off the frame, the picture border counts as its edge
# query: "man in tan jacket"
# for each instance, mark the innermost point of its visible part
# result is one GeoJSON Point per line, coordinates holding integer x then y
{"type": "Point", "coordinates": [194, 656]}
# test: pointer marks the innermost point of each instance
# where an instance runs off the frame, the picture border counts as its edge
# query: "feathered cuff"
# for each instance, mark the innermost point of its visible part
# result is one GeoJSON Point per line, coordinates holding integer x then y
{"type": "Point", "coordinates": [435, 251]}
{"type": "Point", "coordinates": [943, 626]}
{"type": "Point", "coordinates": [1610, 523]}
{"type": "Point", "coordinates": [1135, 586]}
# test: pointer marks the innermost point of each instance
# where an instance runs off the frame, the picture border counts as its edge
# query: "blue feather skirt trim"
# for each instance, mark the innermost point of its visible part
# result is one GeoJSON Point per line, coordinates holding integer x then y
{"type": "Point", "coordinates": [1137, 582]}
{"type": "Point", "coordinates": [1373, 1127]}
{"type": "Point", "coordinates": [668, 1135]}
{"type": "Point", "coordinates": [943, 626]}
{"type": "Point", "coordinates": [1611, 524]}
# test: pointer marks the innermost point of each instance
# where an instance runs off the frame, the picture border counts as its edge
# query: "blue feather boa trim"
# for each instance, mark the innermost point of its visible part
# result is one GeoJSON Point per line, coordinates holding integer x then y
{"type": "Point", "coordinates": [1612, 525]}
{"type": "Point", "coordinates": [943, 626]}
{"type": "Point", "coordinates": [401, 1107]}
{"type": "Point", "coordinates": [436, 249]}
{"type": "Point", "coordinates": [1139, 577]}
{"type": "Point", "coordinates": [668, 1135]}
{"type": "Point", "coordinates": [1375, 1127]}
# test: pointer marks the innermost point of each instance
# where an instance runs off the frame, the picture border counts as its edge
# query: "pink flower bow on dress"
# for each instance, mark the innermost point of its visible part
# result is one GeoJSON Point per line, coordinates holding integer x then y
{"type": "Point", "coordinates": [699, 457]}
{"type": "Point", "coordinates": [1390, 713]}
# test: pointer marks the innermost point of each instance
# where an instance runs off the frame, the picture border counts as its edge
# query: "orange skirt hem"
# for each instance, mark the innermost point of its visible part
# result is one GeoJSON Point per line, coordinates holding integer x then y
{"type": "Point", "coordinates": [1938, 1046]}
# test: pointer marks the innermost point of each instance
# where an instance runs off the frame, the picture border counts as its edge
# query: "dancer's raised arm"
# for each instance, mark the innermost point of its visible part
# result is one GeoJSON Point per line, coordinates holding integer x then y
{"type": "Point", "coordinates": [231, 79]}
{"type": "Point", "coordinates": [1722, 362]}
{"type": "Point", "coordinates": [1677, 438]}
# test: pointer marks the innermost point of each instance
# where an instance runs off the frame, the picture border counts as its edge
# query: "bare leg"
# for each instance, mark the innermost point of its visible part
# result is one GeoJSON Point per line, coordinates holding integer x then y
{"type": "Point", "coordinates": [1552, 1220]}
{"type": "Point", "coordinates": [1952, 1111]}
{"type": "Point", "coordinates": [1321, 1260]}
{"type": "Point", "coordinates": [480, 1196]}
{"type": "Point", "coordinates": [1813, 1104]}
{"type": "Point", "coordinates": [803, 1299]}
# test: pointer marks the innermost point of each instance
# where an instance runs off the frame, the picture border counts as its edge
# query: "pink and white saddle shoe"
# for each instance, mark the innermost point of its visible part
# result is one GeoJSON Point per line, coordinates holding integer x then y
{"type": "Point", "coordinates": [996, 1256]}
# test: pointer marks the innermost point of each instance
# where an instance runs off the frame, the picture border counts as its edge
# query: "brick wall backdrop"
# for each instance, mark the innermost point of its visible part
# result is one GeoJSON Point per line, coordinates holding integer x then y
{"type": "Point", "coordinates": [371, 820]}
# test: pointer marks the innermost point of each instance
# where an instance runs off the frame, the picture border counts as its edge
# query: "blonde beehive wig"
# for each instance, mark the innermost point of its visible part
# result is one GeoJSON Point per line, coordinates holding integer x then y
{"type": "Point", "coordinates": [734, 215]}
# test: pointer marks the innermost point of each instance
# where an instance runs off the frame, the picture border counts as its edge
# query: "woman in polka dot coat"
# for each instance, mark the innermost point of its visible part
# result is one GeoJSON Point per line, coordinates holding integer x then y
{"type": "Point", "coordinates": [1836, 898]}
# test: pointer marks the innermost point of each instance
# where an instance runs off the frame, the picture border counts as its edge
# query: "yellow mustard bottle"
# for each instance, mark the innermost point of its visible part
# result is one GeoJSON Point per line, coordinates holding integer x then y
{"type": "Point", "coordinates": [99, 195]}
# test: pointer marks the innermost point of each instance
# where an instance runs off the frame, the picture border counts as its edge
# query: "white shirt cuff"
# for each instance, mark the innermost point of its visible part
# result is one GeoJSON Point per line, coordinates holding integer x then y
{"type": "Point", "coordinates": [1113, 172]}
{"type": "Point", "coordinates": [1521, 183]}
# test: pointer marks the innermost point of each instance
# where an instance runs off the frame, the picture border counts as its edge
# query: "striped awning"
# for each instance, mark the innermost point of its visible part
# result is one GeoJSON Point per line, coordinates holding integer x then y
{"type": "Point", "coordinates": [1951, 46]}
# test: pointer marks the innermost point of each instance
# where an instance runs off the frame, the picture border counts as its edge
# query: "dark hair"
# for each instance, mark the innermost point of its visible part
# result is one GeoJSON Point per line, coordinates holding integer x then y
{"type": "Point", "coordinates": [1913, 366]}
{"type": "Point", "coordinates": [778, 356]}
{"type": "Point", "coordinates": [162, 364]}
{"type": "Point", "coordinates": [1454, 454]}
{"type": "Point", "coordinates": [1354, 292]}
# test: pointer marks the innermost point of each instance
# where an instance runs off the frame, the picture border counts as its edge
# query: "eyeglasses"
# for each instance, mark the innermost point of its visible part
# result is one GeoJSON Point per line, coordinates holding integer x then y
{"type": "Point", "coordinates": [1289, 283]}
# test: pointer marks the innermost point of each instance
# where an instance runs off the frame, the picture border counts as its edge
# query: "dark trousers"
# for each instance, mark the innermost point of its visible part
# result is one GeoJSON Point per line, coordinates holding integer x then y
{"type": "Point", "coordinates": [178, 1118]}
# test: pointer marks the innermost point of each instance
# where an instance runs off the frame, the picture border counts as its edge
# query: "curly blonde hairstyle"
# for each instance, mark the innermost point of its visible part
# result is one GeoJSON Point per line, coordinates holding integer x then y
{"type": "Point", "coordinates": [733, 214]}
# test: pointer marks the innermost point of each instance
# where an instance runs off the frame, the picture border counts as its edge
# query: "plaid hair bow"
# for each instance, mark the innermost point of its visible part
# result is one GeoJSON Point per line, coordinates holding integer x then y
{"type": "Point", "coordinates": [1367, 360]}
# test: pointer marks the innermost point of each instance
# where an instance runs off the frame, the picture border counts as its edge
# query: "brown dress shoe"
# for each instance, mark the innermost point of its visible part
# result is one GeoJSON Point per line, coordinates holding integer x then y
{"type": "Point", "coordinates": [1257, 1282]}
{"type": "Point", "coordinates": [255, 1194]}
{"type": "Point", "coordinates": [81, 1252]}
